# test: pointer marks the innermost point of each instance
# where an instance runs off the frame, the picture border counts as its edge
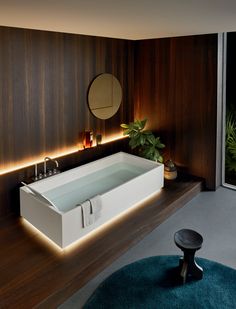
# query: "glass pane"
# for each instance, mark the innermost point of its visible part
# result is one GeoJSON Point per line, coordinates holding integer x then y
{"type": "Point", "coordinates": [230, 124]}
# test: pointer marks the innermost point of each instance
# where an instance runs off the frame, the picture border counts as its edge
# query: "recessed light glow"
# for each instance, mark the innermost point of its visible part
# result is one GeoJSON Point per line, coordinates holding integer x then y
{"type": "Point", "coordinates": [40, 237]}
{"type": "Point", "coordinates": [112, 137]}
{"type": "Point", "coordinates": [14, 166]}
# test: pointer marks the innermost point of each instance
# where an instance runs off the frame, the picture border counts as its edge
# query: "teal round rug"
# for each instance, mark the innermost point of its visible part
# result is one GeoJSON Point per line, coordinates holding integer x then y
{"type": "Point", "coordinates": [154, 283]}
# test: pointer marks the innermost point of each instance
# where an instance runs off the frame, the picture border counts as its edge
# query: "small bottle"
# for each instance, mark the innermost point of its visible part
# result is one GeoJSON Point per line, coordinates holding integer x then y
{"type": "Point", "coordinates": [88, 139]}
{"type": "Point", "coordinates": [98, 139]}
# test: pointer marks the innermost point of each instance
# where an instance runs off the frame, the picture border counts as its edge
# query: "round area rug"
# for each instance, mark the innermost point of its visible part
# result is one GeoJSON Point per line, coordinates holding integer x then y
{"type": "Point", "coordinates": [154, 283]}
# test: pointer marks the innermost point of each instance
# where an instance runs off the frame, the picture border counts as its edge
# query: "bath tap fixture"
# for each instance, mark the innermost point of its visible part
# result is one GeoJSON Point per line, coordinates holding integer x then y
{"type": "Point", "coordinates": [36, 172]}
{"type": "Point", "coordinates": [50, 172]}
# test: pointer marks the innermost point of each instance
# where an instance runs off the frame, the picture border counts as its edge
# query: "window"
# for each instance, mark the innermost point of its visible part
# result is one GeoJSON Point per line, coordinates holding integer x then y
{"type": "Point", "coordinates": [230, 113]}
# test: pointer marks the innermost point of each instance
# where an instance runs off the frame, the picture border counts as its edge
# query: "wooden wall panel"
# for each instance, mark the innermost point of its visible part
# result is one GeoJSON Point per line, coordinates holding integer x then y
{"type": "Point", "coordinates": [43, 90]}
{"type": "Point", "coordinates": [43, 95]}
{"type": "Point", "coordinates": [176, 90]}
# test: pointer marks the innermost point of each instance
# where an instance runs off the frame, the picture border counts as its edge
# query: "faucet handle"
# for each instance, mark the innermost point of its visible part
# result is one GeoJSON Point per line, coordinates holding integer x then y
{"type": "Point", "coordinates": [55, 171]}
{"type": "Point", "coordinates": [50, 172]}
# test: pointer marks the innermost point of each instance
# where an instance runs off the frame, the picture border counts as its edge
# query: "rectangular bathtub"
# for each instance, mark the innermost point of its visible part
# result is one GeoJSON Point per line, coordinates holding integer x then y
{"type": "Point", "coordinates": [120, 181]}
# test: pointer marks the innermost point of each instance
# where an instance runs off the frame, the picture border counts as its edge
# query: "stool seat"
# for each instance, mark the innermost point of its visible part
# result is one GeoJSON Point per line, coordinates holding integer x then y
{"type": "Point", "coordinates": [189, 242]}
{"type": "Point", "coordinates": [188, 239]}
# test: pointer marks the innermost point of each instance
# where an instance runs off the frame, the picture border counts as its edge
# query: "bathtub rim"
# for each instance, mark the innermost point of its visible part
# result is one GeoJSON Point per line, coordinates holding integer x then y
{"type": "Point", "coordinates": [120, 156]}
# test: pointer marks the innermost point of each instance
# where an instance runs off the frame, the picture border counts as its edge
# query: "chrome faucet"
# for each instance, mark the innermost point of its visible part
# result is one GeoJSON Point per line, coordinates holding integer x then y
{"type": "Point", "coordinates": [35, 172]}
{"type": "Point", "coordinates": [55, 170]}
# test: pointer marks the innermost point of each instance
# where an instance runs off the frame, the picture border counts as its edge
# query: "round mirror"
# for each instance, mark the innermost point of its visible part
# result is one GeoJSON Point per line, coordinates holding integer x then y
{"type": "Point", "coordinates": [104, 96]}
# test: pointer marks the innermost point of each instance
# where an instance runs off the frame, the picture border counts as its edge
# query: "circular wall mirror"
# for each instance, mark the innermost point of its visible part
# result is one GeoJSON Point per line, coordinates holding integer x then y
{"type": "Point", "coordinates": [104, 96]}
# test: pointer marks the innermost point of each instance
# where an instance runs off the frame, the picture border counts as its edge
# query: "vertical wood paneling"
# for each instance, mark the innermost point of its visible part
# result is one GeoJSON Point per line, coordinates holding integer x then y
{"type": "Point", "coordinates": [177, 92]}
{"type": "Point", "coordinates": [47, 76]}
{"type": "Point", "coordinates": [43, 92]}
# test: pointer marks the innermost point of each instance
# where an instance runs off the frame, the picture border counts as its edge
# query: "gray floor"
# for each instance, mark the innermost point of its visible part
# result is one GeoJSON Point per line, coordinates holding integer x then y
{"type": "Point", "coordinates": [213, 214]}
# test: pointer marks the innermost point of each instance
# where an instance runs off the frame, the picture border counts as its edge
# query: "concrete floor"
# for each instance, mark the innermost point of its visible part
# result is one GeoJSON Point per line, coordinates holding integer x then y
{"type": "Point", "coordinates": [213, 214]}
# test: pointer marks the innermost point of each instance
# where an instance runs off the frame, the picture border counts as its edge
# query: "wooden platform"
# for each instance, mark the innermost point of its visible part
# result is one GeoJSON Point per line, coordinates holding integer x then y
{"type": "Point", "coordinates": [35, 273]}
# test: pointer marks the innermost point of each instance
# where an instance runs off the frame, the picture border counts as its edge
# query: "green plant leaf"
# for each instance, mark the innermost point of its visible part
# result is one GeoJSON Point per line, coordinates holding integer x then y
{"type": "Point", "coordinates": [144, 140]}
{"type": "Point", "coordinates": [230, 142]}
{"type": "Point", "coordinates": [126, 132]}
{"type": "Point", "coordinates": [147, 132]}
{"type": "Point", "coordinates": [143, 123]}
{"type": "Point", "coordinates": [161, 146]}
{"type": "Point", "coordinates": [124, 126]}
{"type": "Point", "coordinates": [151, 139]}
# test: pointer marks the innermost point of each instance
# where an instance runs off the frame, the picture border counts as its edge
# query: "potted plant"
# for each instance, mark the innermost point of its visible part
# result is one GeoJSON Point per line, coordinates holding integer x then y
{"type": "Point", "coordinates": [144, 141]}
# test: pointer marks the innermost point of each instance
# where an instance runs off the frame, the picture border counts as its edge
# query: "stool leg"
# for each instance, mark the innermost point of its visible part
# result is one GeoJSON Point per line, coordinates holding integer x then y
{"type": "Point", "coordinates": [184, 271]}
{"type": "Point", "coordinates": [183, 268]}
{"type": "Point", "coordinates": [194, 269]}
{"type": "Point", "coordinates": [191, 267]}
{"type": "Point", "coordinates": [197, 271]}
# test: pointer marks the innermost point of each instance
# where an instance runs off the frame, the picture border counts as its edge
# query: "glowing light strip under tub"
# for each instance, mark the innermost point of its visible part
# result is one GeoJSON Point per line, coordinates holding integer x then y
{"type": "Point", "coordinates": [107, 225]}
{"type": "Point", "coordinates": [30, 162]}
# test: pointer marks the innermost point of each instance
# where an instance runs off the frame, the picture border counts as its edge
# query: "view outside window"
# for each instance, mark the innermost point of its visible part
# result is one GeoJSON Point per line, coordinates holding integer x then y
{"type": "Point", "coordinates": [230, 124]}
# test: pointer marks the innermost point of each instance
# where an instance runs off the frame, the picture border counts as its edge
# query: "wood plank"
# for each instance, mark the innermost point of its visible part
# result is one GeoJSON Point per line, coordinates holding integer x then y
{"type": "Point", "coordinates": [44, 90]}
{"type": "Point", "coordinates": [177, 92]}
{"type": "Point", "coordinates": [34, 274]}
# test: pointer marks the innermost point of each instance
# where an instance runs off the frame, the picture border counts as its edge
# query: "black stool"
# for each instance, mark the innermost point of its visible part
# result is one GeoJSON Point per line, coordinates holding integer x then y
{"type": "Point", "coordinates": [189, 242]}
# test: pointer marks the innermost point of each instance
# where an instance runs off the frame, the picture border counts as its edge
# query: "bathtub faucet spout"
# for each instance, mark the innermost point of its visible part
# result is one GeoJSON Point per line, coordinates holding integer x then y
{"type": "Point", "coordinates": [55, 170]}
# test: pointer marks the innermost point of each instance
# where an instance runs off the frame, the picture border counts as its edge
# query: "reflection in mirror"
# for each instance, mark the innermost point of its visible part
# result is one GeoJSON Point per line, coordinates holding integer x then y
{"type": "Point", "coordinates": [104, 96]}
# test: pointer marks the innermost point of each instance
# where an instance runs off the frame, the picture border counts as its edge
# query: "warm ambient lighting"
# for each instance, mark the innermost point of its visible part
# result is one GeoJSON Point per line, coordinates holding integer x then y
{"type": "Point", "coordinates": [40, 237]}
{"type": "Point", "coordinates": [57, 154]}
{"type": "Point", "coordinates": [112, 137]}
{"type": "Point", "coordinates": [91, 235]}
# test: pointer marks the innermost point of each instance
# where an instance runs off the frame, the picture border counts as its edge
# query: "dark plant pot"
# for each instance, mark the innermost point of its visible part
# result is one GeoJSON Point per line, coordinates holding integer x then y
{"type": "Point", "coordinates": [170, 170]}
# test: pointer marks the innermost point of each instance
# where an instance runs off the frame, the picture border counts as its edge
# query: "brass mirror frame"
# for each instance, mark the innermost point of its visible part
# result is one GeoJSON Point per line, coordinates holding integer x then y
{"type": "Point", "coordinates": [104, 96]}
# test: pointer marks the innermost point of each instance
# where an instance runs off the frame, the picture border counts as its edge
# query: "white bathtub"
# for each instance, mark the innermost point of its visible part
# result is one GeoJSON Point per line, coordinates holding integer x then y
{"type": "Point", "coordinates": [120, 180]}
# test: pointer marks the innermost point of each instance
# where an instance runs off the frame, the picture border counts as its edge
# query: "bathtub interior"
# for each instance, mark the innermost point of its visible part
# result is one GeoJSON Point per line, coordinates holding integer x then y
{"type": "Point", "coordinates": [67, 196]}
{"type": "Point", "coordinates": [99, 180]}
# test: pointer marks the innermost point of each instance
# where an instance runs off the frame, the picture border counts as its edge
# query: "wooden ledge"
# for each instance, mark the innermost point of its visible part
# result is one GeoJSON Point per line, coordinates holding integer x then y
{"type": "Point", "coordinates": [36, 274]}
